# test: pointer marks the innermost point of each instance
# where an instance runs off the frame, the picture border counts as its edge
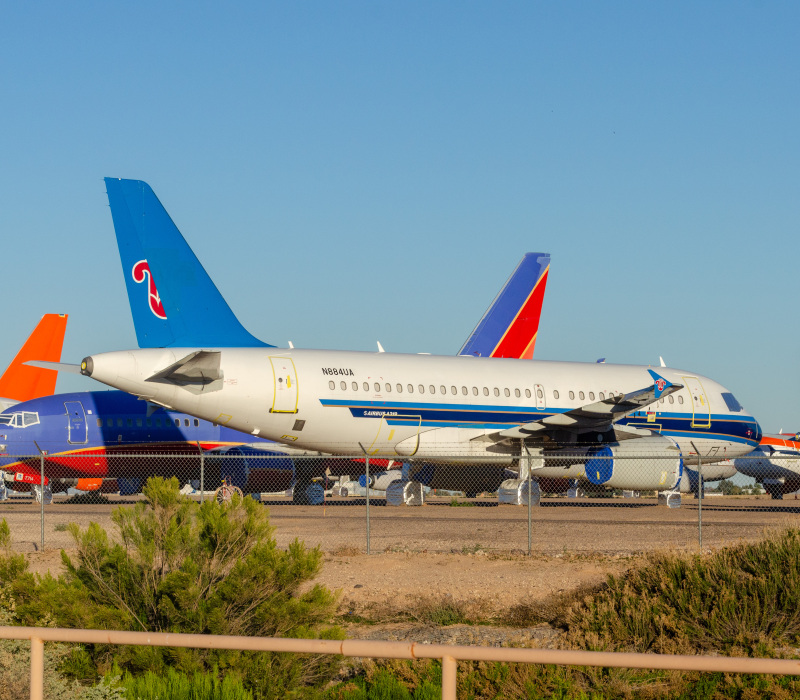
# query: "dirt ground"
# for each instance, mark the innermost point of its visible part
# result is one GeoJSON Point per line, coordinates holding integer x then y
{"type": "Point", "coordinates": [475, 553]}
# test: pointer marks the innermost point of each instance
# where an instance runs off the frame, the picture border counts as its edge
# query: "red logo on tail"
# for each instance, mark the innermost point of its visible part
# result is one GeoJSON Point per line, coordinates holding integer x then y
{"type": "Point", "coordinates": [660, 384]}
{"type": "Point", "coordinates": [141, 270]}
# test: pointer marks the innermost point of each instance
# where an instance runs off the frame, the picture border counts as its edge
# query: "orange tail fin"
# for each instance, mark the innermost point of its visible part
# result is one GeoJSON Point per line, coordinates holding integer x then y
{"type": "Point", "coordinates": [21, 382]}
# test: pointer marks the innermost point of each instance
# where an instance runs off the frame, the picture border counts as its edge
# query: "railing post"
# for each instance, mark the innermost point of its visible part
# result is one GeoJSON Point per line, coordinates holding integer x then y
{"type": "Point", "coordinates": [367, 480]}
{"type": "Point", "coordinates": [37, 669]}
{"type": "Point", "coordinates": [449, 678]}
{"type": "Point", "coordinates": [529, 505]}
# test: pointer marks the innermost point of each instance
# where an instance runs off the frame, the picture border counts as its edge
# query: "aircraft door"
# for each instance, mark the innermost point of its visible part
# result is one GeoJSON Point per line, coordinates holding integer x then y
{"type": "Point", "coordinates": [541, 402]}
{"type": "Point", "coordinates": [701, 410]}
{"type": "Point", "coordinates": [285, 394]}
{"type": "Point", "coordinates": [76, 423]}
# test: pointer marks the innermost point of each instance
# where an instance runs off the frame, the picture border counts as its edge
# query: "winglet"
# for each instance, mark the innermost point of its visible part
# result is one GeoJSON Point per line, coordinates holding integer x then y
{"type": "Point", "coordinates": [659, 383]}
{"type": "Point", "coordinates": [21, 382]}
{"type": "Point", "coordinates": [185, 309]}
{"type": "Point", "coordinates": [510, 325]}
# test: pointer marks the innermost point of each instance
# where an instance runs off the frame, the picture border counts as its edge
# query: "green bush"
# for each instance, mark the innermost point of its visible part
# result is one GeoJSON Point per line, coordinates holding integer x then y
{"type": "Point", "coordinates": [184, 567]}
{"type": "Point", "coordinates": [175, 686]}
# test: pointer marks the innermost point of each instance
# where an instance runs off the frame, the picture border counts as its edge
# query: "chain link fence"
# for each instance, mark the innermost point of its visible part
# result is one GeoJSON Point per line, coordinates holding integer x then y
{"type": "Point", "coordinates": [583, 502]}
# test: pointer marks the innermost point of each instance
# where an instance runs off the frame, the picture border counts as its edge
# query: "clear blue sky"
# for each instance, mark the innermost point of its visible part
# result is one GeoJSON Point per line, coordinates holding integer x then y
{"type": "Point", "coordinates": [357, 171]}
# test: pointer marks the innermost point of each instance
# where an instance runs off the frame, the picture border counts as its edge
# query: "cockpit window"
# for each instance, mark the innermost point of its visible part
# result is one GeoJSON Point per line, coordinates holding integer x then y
{"type": "Point", "coordinates": [20, 419]}
{"type": "Point", "coordinates": [29, 418]}
{"type": "Point", "coordinates": [733, 405]}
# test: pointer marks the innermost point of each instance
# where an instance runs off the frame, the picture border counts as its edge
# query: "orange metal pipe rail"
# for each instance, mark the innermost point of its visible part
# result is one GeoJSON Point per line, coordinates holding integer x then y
{"type": "Point", "coordinates": [449, 655]}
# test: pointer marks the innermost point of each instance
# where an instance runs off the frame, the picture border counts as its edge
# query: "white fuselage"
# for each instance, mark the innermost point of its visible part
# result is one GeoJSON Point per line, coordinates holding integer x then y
{"type": "Point", "coordinates": [420, 405]}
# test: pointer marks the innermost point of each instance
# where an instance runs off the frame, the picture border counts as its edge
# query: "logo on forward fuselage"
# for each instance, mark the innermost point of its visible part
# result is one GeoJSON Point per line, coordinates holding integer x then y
{"type": "Point", "coordinates": [141, 271]}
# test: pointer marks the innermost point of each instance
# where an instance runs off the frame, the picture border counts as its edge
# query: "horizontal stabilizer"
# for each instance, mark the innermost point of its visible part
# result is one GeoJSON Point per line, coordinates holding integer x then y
{"type": "Point", "coordinates": [199, 367]}
{"type": "Point", "coordinates": [57, 366]}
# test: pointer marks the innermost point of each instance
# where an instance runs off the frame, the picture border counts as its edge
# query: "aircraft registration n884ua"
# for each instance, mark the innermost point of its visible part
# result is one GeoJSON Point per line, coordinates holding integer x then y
{"type": "Point", "coordinates": [562, 418]}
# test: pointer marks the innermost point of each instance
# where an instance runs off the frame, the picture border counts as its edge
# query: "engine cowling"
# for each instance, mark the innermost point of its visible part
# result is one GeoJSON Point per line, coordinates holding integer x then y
{"type": "Point", "coordinates": [643, 464]}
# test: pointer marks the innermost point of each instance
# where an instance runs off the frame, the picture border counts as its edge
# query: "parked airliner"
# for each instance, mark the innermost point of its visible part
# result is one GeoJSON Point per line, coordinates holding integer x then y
{"type": "Point", "coordinates": [554, 416]}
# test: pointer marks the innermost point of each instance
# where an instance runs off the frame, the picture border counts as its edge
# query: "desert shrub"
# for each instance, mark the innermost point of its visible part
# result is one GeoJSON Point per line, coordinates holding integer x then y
{"type": "Point", "coordinates": [741, 599]}
{"type": "Point", "coordinates": [184, 567]}
{"type": "Point", "coordinates": [176, 686]}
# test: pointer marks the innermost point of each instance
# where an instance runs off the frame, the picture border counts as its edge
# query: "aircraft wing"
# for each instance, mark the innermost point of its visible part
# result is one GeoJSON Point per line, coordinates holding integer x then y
{"type": "Point", "coordinates": [598, 416]}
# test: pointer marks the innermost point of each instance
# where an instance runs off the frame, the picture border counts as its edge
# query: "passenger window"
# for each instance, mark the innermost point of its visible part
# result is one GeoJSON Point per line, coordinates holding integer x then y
{"type": "Point", "coordinates": [388, 388]}
{"type": "Point", "coordinates": [355, 386]}
{"type": "Point", "coordinates": [517, 393]}
{"type": "Point", "coordinates": [464, 390]}
{"type": "Point", "coordinates": [453, 390]}
{"type": "Point", "coordinates": [399, 388]}
{"type": "Point", "coordinates": [555, 393]}
{"type": "Point", "coordinates": [496, 391]}
{"type": "Point", "coordinates": [486, 391]}
{"type": "Point", "coordinates": [581, 395]}
{"type": "Point", "coordinates": [591, 396]}
{"type": "Point", "coordinates": [572, 395]}
{"type": "Point", "coordinates": [196, 423]}
{"type": "Point", "coordinates": [421, 388]}
{"type": "Point", "coordinates": [129, 422]}
{"type": "Point", "coordinates": [366, 386]}
{"type": "Point", "coordinates": [343, 386]}
{"type": "Point", "coordinates": [186, 422]}
{"type": "Point", "coordinates": [661, 401]}
{"type": "Point", "coordinates": [540, 393]}
{"type": "Point", "coordinates": [119, 422]}
{"type": "Point", "coordinates": [138, 422]}
{"type": "Point", "coordinates": [432, 389]}
{"type": "Point", "coordinates": [149, 422]}
{"type": "Point", "coordinates": [680, 399]}
{"type": "Point", "coordinates": [474, 391]}
{"type": "Point", "coordinates": [671, 399]}
{"type": "Point", "coordinates": [602, 396]}
{"type": "Point", "coordinates": [331, 385]}
{"type": "Point", "coordinates": [158, 422]}
{"type": "Point", "coordinates": [506, 392]}
{"type": "Point", "coordinates": [99, 422]}
{"type": "Point", "coordinates": [377, 388]}
{"type": "Point", "coordinates": [527, 393]}
{"type": "Point", "coordinates": [410, 388]}
{"type": "Point", "coordinates": [110, 422]}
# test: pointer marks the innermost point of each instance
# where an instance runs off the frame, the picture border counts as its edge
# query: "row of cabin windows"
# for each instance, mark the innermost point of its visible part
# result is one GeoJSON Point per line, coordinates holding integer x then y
{"type": "Point", "coordinates": [432, 389]}
{"type": "Point", "coordinates": [475, 392]}
{"type": "Point", "coordinates": [149, 422]}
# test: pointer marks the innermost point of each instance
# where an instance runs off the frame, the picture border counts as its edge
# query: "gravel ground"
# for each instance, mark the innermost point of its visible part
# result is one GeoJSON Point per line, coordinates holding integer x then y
{"type": "Point", "coordinates": [476, 554]}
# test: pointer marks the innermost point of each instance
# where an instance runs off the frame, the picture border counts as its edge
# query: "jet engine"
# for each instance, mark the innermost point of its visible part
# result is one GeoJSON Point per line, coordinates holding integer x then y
{"type": "Point", "coordinates": [644, 464]}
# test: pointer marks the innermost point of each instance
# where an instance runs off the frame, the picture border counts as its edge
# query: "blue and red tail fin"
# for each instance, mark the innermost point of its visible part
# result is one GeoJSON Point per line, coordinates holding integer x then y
{"type": "Point", "coordinates": [21, 382]}
{"type": "Point", "coordinates": [510, 325]}
{"type": "Point", "coordinates": [173, 301]}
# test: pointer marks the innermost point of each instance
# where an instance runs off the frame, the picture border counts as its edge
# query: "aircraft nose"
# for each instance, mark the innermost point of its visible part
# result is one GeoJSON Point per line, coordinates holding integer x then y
{"type": "Point", "coordinates": [758, 433]}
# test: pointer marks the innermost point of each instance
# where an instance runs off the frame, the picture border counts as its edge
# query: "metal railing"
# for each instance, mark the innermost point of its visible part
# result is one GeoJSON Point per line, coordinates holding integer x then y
{"type": "Point", "coordinates": [448, 655]}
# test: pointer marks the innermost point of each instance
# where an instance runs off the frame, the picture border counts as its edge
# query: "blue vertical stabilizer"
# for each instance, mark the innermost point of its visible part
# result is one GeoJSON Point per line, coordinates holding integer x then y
{"type": "Point", "coordinates": [173, 300]}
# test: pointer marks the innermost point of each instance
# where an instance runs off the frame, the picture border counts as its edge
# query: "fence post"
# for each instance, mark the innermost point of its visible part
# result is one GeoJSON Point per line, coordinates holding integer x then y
{"type": "Point", "coordinates": [202, 472]}
{"type": "Point", "coordinates": [449, 678]}
{"type": "Point", "coordinates": [529, 501]}
{"type": "Point", "coordinates": [41, 488]}
{"type": "Point", "coordinates": [700, 501]}
{"type": "Point", "coordinates": [367, 481]}
{"type": "Point", "coordinates": [37, 669]}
